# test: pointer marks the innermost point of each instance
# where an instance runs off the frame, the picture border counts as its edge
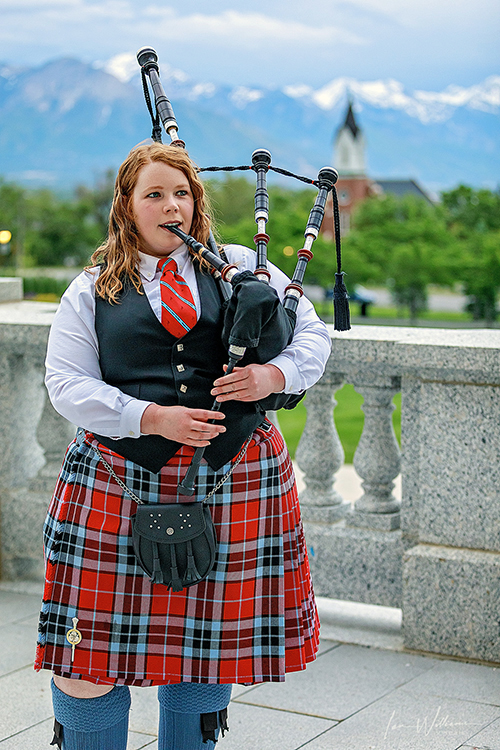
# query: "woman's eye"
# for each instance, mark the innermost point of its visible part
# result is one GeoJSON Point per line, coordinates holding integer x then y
{"type": "Point", "coordinates": [154, 194]}
{"type": "Point", "coordinates": [182, 192]}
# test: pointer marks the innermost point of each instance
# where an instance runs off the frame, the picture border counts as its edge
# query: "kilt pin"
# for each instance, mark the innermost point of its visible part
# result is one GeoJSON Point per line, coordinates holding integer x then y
{"type": "Point", "coordinates": [252, 620]}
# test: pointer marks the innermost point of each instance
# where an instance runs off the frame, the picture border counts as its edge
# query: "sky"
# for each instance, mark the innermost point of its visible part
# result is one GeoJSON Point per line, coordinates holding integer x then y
{"type": "Point", "coordinates": [426, 44]}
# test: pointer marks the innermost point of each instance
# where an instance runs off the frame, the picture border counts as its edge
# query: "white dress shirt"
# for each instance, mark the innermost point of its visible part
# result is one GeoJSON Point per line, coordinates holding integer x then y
{"type": "Point", "coordinates": [73, 375]}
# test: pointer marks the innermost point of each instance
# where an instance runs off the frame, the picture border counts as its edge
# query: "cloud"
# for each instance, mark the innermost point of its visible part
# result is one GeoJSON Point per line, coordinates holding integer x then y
{"type": "Point", "coordinates": [99, 30]}
{"type": "Point", "coordinates": [230, 25]}
{"type": "Point", "coordinates": [276, 42]}
{"type": "Point", "coordinates": [248, 28]}
{"type": "Point", "coordinates": [8, 6]}
{"type": "Point", "coordinates": [413, 13]}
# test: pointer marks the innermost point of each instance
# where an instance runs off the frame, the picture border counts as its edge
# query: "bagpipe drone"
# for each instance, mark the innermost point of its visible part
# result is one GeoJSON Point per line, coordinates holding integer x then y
{"type": "Point", "coordinates": [257, 326]}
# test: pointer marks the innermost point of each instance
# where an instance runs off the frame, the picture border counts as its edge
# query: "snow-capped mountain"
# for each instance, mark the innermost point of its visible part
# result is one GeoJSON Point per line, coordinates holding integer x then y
{"type": "Point", "coordinates": [65, 122]}
{"type": "Point", "coordinates": [426, 106]}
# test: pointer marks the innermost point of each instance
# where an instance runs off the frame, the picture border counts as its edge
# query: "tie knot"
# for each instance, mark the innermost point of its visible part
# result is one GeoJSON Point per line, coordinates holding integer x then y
{"type": "Point", "coordinates": [167, 264]}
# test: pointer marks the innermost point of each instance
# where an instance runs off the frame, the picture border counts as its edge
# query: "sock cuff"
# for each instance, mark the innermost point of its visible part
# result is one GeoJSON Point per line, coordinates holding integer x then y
{"type": "Point", "coordinates": [91, 714]}
{"type": "Point", "coordinates": [194, 697]}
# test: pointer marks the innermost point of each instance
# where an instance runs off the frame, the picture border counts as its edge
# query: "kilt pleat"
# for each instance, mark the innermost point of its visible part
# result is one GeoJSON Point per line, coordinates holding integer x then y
{"type": "Point", "coordinates": [252, 620]}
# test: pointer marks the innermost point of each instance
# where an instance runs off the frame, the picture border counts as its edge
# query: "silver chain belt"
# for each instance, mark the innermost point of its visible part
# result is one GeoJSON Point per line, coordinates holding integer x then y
{"type": "Point", "coordinates": [138, 500]}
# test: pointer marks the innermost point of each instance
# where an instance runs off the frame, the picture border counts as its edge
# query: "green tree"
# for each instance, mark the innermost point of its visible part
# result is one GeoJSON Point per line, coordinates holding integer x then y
{"type": "Point", "coordinates": [473, 217]}
{"type": "Point", "coordinates": [231, 199]}
{"type": "Point", "coordinates": [56, 231]}
{"type": "Point", "coordinates": [481, 275]}
{"type": "Point", "coordinates": [469, 210]}
{"type": "Point", "coordinates": [233, 202]}
{"type": "Point", "coordinates": [13, 206]}
{"type": "Point", "coordinates": [404, 243]}
{"type": "Point", "coordinates": [95, 204]}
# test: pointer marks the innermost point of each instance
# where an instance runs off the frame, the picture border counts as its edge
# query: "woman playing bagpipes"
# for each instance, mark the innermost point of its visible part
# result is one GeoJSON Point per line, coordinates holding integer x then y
{"type": "Point", "coordinates": [135, 358]}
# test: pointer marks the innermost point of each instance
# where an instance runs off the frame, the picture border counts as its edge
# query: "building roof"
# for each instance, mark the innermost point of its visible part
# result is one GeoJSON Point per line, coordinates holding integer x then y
{"type": "Point", "coordinates": [399, 188]}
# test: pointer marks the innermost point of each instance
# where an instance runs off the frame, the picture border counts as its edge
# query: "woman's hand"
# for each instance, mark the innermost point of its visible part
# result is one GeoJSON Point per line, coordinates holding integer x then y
{"type": "Point", "coordinates": [184, 425]}
{"type": "Point", "coordinates": [249, 383]}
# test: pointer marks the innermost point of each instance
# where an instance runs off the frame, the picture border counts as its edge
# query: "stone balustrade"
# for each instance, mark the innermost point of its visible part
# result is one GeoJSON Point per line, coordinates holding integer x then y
{"type": "Point", "coordinates": [436, 555]}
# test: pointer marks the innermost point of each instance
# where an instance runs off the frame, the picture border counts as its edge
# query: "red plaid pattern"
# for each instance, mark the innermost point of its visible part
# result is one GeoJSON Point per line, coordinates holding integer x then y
{"type": "Point", "coordinates": [253, 619]}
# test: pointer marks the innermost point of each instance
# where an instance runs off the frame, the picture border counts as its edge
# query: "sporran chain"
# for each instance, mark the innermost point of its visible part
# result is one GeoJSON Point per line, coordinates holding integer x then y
{"type": "Point", "coordinates": [138, 500]}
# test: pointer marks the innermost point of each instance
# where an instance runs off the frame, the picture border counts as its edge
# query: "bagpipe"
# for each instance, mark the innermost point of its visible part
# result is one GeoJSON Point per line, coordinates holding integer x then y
{"type": "Point", "coordinates": [257, 325]}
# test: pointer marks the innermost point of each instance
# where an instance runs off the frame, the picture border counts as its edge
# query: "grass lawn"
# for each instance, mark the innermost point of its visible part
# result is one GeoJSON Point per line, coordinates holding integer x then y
{"type": "Point", "coordinates": [348, 419]}
{"type": "Point", "coordinates": [325, 311]}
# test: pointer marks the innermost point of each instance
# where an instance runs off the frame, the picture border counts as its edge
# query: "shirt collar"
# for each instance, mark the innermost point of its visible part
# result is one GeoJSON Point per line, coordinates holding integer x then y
{"type": "Point", "coordinates": [148, 263]}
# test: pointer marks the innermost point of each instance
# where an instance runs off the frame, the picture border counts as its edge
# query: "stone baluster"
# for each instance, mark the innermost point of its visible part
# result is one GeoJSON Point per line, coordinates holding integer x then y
{"type": "Point", "coordinates": [320, 454]}
{"type": "Point", "coordinates": [54, 435]}
{"type": "Point", "coordinates": [377, 459]}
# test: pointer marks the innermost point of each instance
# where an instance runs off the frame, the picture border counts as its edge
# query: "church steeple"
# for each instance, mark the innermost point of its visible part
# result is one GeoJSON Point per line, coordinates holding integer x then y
{"type": "Point", "coordinates": [350, 120]}
{"type": "Point", "coordinates": [349, 148]}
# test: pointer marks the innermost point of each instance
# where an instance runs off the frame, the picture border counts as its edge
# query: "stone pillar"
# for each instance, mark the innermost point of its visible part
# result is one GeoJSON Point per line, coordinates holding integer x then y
{"type": "Point", "coordinates": [451, 577]}
{"type": "Point", "coordinates": [320, 454]}
{"type": "Point", "coordinates": [377, 459]}
{"type": "Point", "coordinates": [21, 457]}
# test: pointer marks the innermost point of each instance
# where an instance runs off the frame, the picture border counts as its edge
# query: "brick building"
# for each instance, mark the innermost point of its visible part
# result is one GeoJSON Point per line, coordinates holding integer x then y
{"type": "Point", "coordinates": [354, 185]}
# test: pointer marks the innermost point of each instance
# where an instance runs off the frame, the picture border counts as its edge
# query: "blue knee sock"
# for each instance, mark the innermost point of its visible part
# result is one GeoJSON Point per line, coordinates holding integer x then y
{"type": "Point", "coordinates": [91, 723]}
{"type": "Point", "coordinates": [188, 708]}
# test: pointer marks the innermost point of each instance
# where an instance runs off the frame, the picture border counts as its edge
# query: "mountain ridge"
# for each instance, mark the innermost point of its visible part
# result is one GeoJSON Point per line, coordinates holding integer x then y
{"type": "Point", "coordinates": [66, 120]}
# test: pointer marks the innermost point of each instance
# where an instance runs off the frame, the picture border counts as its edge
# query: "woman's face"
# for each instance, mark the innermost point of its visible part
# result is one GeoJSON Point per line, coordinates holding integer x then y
{"type": "Point", "coordinates": [161, 196]}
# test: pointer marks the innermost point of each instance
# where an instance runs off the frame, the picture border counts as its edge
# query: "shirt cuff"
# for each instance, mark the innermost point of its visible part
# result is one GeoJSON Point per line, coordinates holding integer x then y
{"type": "Point", "coordinates": [290, 373]}
{"type": "Point", "coordinates": [130, 420]}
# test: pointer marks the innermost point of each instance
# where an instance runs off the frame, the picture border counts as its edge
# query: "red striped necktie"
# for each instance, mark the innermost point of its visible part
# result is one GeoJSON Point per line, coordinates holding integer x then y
{"type": "Point", "coordinates": [178, 311]}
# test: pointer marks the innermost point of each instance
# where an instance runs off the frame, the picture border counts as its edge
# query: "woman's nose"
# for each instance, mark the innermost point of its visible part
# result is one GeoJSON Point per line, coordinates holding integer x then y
{"type": "Point", "coordinates": [170, 204]}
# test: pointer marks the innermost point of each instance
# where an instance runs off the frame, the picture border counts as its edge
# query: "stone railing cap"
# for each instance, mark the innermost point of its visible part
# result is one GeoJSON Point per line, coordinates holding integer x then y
{"type": "Point", "coordinates": [28, 313]}
{"type": "Point", "coordinates": [428, 353]}
{"type": "Point", "coordinates": [474, 338]}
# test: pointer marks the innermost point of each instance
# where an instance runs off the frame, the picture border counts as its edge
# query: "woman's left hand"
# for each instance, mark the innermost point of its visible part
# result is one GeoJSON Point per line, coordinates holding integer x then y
{"type": "Point", "coordinates": [249, 383]}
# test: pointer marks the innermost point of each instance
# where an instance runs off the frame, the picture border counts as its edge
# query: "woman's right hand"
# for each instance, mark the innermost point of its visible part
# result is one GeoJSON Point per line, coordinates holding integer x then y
{"type": "Point", "coordinates": [184, 425]}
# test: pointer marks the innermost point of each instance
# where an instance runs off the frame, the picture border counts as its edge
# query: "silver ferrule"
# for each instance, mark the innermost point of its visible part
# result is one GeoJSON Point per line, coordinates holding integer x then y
{"type": "Point", "coordinates": [172, 130]}
{"type": "Point", "coordinates": [262, 276]}
{"type": "Point", "coordinates": [237, 351]}
{"type": "Point", "coordinates": [232, 272]}
{"type": "Point", "coordinates": [261, 224]}
{"type": "Point", "coordinates": [294, 293]}
{"type": "Point", "coordinates": [311, 232]}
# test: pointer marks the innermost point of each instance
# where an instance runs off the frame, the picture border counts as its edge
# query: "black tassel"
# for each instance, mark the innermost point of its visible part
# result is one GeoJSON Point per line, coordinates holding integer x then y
{"type": "Point", "coordinates": [157, 574]}
{"type": "Point", "coordinates": [223, 721]}
{"type": "Point", "coordinates": [209, 724]}
{"type": "Point", "coordinates": [342, 318]}
{"type": "Point", "coordinates": [191, 575]}
{"type": "Point", "coordinates": [58, 734]}
{"type": "Point", "coordinates": [176, 583]}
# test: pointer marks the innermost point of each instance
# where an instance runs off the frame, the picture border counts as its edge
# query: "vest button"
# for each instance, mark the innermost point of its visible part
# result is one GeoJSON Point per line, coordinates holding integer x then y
{"type": "Point", "coordinates": [183, 388]}
{"type": "Point", "coordinates": [180, 347]}
{"type": "Point", "coordinates": [180, 368]}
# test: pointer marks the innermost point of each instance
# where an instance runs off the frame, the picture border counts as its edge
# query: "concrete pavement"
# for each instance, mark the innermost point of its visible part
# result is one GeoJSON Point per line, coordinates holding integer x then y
{"type": "Point", "coordinates": [364, 692]}
{"type": "Point", "coordinates": [353, 697]}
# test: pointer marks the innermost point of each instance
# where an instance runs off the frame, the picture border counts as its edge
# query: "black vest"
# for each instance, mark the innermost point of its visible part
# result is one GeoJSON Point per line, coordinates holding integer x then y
{"type": "Point", "coordinates": [141, 358]}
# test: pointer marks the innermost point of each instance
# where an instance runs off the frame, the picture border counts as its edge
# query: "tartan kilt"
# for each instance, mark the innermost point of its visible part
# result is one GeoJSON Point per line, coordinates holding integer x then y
{"type": "Point", "coordinates": [252, 620]}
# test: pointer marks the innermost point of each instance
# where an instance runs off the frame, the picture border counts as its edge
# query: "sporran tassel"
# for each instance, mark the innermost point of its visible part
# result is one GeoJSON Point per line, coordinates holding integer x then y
{"type": "Point", "coordinates": [191, 573]}
{"type": "Point", "coordinates": [176, 583]}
